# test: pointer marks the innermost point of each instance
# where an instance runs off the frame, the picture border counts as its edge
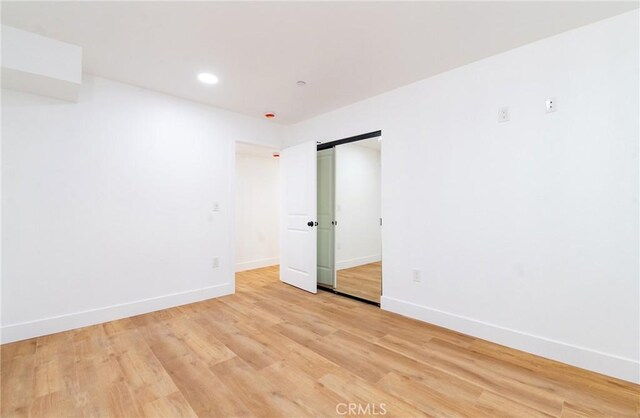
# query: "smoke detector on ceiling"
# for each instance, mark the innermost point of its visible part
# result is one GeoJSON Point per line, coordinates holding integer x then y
{"type": "Point", "coordinates": [269, 115]}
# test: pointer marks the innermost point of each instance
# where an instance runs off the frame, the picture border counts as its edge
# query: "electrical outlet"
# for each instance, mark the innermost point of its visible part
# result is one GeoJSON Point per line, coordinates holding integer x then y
{"type": "Point", "coordinates": [216, 207]}
{"type": "Point", "coordinates": [416, 276]}
{"type": "Point", "coordinates": [215, 262]}
{"type": "Point", "coordinates": [551, 104]}
{"type": "Point", "coordinates": [503, 114]}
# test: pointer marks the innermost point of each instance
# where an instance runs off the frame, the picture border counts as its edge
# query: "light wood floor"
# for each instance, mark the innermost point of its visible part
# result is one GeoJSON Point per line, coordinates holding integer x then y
{"type": "Point", "coordinates": [362, 281]}
{"type": "Point", "coordinates": [271, 350]}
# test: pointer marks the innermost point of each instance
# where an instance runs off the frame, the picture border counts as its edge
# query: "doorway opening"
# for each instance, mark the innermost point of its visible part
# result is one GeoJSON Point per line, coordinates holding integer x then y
{"type": "Point", "coordinates": [257, 207]}
{"type": "Point", "coordinates": [349, 249]}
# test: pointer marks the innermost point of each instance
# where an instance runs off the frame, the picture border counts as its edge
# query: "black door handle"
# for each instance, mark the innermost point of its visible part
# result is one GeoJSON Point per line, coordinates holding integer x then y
{"type": "Point", "coordinates": [310, 223]}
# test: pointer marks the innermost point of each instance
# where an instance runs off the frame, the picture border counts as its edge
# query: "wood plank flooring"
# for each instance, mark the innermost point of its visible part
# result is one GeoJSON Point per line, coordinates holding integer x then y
{"type": "Point", "coordinates": [271, 350]}
{"type": "Point", "coordinates": [363, 281]}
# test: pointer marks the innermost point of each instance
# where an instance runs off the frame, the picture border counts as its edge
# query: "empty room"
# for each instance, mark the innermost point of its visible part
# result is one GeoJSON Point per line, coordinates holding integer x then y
{"type": "Point", "coordinates": [320, 209]}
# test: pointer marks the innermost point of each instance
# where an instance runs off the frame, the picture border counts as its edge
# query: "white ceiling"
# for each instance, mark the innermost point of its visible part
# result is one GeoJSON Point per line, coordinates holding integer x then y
{"type": "Point", "coordinates": [346, 51]}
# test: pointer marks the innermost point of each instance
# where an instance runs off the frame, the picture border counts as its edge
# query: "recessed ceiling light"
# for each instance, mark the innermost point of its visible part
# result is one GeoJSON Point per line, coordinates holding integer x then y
{"type": "Point", "coordinates": [301, 83]}
{"type": "Point", "coordinates": [207, 78]}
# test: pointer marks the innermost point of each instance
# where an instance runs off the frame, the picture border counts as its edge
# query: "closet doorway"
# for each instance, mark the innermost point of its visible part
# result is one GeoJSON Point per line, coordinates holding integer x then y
{"type": "Point", "coordinates": [349, 249]}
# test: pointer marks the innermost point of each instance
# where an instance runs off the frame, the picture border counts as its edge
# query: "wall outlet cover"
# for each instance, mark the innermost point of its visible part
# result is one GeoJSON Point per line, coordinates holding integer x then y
{"type": "Point", "coordinates": [503, 114]}
{"type": "Point", "coordinates": [551, 105]}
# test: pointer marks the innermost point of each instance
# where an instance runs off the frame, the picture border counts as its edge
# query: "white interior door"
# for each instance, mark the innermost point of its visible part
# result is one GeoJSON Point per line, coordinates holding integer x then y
{"type": "Point", "coordinates": [299, 224]}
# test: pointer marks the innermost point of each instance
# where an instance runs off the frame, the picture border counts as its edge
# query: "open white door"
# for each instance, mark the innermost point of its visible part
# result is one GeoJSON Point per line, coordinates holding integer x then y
{"type": "Point", "coordinates": [298, 226]}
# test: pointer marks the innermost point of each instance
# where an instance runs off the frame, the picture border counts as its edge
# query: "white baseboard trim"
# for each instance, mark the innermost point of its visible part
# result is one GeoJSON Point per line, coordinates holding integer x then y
{"type": "Point", "coordinates": [256, 264]}
{"type": "Point", "coordinates": [608, 364]}
{"type": "Point", "coordinates": [52, 325]}
{"type": "Point", "coordinates": [354, 262]}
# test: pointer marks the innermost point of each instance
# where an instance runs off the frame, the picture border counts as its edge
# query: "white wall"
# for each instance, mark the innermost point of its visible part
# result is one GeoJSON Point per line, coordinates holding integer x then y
{"type": "Point", "coordinates": [526, 232]}
{"type": "Point", "coordinates": [107, 204]}
{"type": "Point", "coordinates": [257, 211]}
{"type": "Point", "coordinates": [358, 239]}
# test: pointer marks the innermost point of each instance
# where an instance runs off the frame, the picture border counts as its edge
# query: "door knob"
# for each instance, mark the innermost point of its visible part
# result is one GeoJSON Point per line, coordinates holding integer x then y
{"type": "Point", "coordinates": [310, 223]}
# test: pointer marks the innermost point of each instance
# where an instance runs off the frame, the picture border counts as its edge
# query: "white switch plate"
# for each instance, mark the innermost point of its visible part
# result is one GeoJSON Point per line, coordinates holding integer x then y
{"type": "Point", "coordinates": [216, 207]}
{"type": "Point", "coordinates": [503, 114]}
{"type": "Point", "coordinates": [215, 262]}
{"type": "Point", "coordinates": [551, 104]}
{"type": "Point", "coordinates": [416, 276]}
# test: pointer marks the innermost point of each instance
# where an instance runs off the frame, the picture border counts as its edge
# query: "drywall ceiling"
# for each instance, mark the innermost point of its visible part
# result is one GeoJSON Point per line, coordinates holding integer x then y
{"type": "Point", "coordinates": [345, 51]}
